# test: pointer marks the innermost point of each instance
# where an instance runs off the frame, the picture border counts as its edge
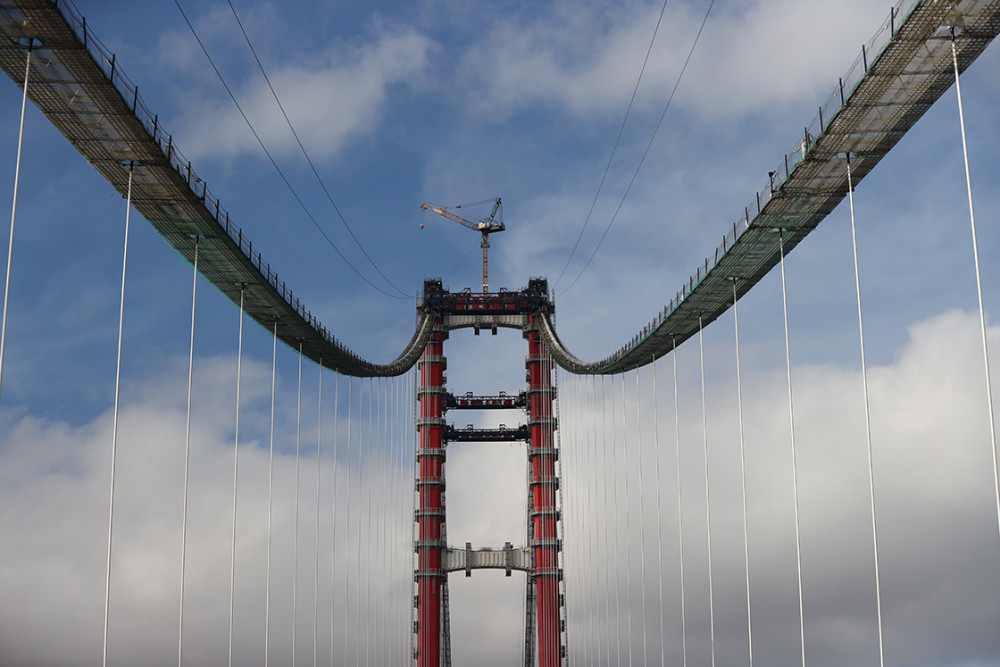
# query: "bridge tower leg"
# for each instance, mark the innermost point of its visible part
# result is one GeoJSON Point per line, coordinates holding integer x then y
{"type": "Point", "coordinates": [430, 513]}
{"type": "Point", "coordinates": [543, 502]}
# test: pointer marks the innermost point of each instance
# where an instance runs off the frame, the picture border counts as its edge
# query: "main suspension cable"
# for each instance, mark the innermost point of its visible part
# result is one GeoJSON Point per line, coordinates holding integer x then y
{"type": "Point", "coordinates": [114, 426]}
{"type": "Point", "coordinates": [708, 494]}
{"type": "Point", "coordinates": [868, 420]}
{"type": "Point", "coordinates": [595, 548]}
{"type": "Point", "coordinates": [607, 520]}
{"type": "Point", "coordinates": [392, 499]}
{"type": "Point", "coordinates": [236, 480]}
{"type": "Point", "coordinates": [295, 540]}
{"type": "Point", "coordinates": [594, 626]}
{"type": "Point", "coordinates": [795, 473]}
{"type": "Point", "coordinates": [270, 497]}
{"type": "Point", "coordinates": [370, 482]}
{"type": "Point", "coordinates": [628, 522]}
{"type": "Point", "coordinates": [361, 481]}
{"type": "Point", "coordinates": [187, 462]}
{"type": "Point", "coordinates": [743, 471]}
{"type": "Point", "coordinates": [347, 528]}
{"type": "Point", "coordinates": [617, 542]}
{"type": "Point", "coordinates": [319, 486]}
{"type": "Point", "coordinates": [333, 513]}
{"type": "Point", "coordinates": [581, 512]}
{"type": "Point", "coordinates": [642, 521]}
{"type": "Point", "coordinates": [13, 216]}
{"type": "Point", "coordinates": [979, 282]}
{"type": "Point", "coordinates": [659, 512]}
{"type": "Point", "coordinates": [680, 506]}
{"type": "Point", "coordinates": [381, 546]}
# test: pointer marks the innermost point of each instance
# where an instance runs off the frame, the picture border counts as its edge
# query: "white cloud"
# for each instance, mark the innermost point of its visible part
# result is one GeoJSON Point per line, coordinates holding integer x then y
{"type": "Point", "coordinates": [330, 102]}
{"type": "Point", "coordinates": [933, 479]}
{"type": "Point", "coordinates": [938, 529]}
{"type": "Point", "coordinates": [752, 56]}
{"type": "Point", "coordinates": [934, 488]}
{"type": "Point", "coordinates": [53, 487]}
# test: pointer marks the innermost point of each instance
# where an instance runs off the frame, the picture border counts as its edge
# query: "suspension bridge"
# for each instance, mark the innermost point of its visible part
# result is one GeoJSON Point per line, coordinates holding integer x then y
{"type": "Point", "coordinates": [621, 464]}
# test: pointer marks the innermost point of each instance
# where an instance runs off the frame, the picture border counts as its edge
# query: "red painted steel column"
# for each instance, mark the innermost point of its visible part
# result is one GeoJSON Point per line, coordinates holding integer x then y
{"type": "Point", "coordinates": [430, 513]}
{"type": "Point", "coordinates": [544, 485]}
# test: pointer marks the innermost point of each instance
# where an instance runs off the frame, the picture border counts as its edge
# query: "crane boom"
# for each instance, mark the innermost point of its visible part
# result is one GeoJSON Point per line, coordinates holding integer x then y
{"type": "Point", "coordinates": [486, 226]}
{"type": "Point", "coordinates": [451, 216]}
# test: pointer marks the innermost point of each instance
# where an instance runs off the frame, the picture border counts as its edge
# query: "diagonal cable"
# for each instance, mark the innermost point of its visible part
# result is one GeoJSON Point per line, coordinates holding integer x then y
{"type": "Point", "coordinates": [614, 148]}
{"type": "Point", "coordinates": [648, 146]}
{"type": "Point", "coordinates": [272, 160]}
{"type": "Point", "coordinates": [302, 147]}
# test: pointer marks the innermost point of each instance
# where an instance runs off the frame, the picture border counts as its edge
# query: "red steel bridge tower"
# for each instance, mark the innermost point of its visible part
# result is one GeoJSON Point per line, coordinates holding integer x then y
{"type": "Point", "coordinates": [540, 558]}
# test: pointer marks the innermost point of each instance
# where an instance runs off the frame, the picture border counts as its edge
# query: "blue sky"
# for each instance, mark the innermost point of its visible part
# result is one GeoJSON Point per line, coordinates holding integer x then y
{"type": "Point", "coordinates": [450, 102]}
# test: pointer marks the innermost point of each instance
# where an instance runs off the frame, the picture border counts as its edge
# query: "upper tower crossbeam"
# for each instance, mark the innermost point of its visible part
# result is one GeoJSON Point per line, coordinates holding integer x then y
{"type": "Point", "coordinates": [477, 311]}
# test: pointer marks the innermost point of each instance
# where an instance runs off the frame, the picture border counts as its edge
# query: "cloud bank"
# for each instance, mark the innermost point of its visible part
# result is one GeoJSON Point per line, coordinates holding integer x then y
{"type": "Point", "coordinates": [333, 99]}
{"type": "Point", "coordinates": [585, 59]}
{"type": "Point", "coordinates": [934, 489]}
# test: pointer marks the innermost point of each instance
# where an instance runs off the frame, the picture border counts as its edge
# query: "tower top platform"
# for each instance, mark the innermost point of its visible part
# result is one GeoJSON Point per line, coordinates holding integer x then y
{"type": "Point", "coordinates": [492, 310]}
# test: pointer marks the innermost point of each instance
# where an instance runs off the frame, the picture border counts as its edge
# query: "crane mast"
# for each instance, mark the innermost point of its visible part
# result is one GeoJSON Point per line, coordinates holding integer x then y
{"type": "Point", "coordinates": [488, 225]}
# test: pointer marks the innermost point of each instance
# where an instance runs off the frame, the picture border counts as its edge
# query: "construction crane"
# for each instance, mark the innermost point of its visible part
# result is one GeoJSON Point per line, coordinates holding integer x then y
{"type": "Point", "coordinates": [488, 225]}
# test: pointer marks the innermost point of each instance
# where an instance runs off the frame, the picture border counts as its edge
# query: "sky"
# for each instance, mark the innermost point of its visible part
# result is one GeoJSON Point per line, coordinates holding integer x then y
{"type": "Point", "coordinates": [448, 102]}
